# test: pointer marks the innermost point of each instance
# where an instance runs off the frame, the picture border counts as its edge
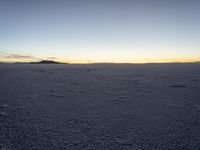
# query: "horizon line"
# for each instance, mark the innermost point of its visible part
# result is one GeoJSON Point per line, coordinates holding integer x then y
{"type": "Point", "coordinates": [72, 63]}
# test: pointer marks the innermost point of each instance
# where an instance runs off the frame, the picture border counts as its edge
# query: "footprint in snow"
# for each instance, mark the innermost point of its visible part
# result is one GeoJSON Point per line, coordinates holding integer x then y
{"type": "Point", "coordinates": [4, 106]}
{"type": "Point", "coordinates": [3, 111]}
{"type": "Point", "coordinates": [3, 115]}
{"type": "Point", "coordinates": [81, 91]}
{"type": "Point", "coordinates": [197, 107]}
{"type": "Point", "coordinates": [177, 86]}
{"type": "Point", "coordinates": [119, 98]}
{"type": "Point", "coordinates": [108, 92]}
{"type": "Point", "coordinates": [57, 95]}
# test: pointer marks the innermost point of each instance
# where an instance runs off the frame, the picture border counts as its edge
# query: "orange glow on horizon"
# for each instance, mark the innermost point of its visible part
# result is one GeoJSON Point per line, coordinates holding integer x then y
{"type": "Point", "coordinates": [108, 58]}
{"type": "Point", "coordinates": [82, 61]}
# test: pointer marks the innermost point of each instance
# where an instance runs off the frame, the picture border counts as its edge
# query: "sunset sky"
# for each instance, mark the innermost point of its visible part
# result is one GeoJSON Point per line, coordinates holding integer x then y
{"type": "Point", "coordinates": [85, 31]}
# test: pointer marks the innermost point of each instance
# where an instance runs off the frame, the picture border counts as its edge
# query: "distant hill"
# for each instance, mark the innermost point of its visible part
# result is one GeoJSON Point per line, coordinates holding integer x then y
{"type": "Point", "coordinates": [46, 62]}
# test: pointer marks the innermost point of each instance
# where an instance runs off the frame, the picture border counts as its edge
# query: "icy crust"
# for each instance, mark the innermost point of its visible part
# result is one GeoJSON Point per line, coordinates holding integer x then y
{"type": "Point", "coordinates": [100, 107]}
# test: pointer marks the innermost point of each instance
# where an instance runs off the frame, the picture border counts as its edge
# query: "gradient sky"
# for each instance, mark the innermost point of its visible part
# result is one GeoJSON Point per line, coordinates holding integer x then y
{"type": "Point", "coordinates": [81, 31]}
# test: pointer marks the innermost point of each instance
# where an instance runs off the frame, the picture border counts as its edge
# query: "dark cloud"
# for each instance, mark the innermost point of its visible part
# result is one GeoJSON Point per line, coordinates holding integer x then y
{"type": "Point", "coordinates": [17, 56]}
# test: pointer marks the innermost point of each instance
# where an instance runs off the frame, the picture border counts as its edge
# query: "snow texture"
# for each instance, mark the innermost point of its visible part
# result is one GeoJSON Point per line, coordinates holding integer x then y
{"type": "Point", "coordinates": [100, 107]}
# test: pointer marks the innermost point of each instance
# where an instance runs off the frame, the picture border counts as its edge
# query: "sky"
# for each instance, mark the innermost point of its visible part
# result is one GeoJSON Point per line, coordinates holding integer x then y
{"type": "Point", "coordinates": [90, 31]}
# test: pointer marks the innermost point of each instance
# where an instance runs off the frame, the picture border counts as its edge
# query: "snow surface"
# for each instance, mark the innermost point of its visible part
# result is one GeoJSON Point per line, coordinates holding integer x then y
{"type": "Point", "coordinates": [100, 107]}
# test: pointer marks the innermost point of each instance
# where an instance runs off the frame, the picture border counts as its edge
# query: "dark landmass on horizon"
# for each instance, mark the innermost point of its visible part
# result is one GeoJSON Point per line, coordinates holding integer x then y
{"type": "Point", "coordinates": [46, 62]}
{"type": "Point", "coordinates": [57, 62]}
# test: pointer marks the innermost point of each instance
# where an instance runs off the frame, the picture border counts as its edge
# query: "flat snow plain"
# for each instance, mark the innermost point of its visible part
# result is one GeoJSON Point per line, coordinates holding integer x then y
{"type": "Point", "coordinates": [100, 107]}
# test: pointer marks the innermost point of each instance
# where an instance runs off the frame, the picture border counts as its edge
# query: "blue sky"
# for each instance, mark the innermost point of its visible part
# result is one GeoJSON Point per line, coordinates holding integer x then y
{"type": "Point", "coordinates": [100, 31]}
